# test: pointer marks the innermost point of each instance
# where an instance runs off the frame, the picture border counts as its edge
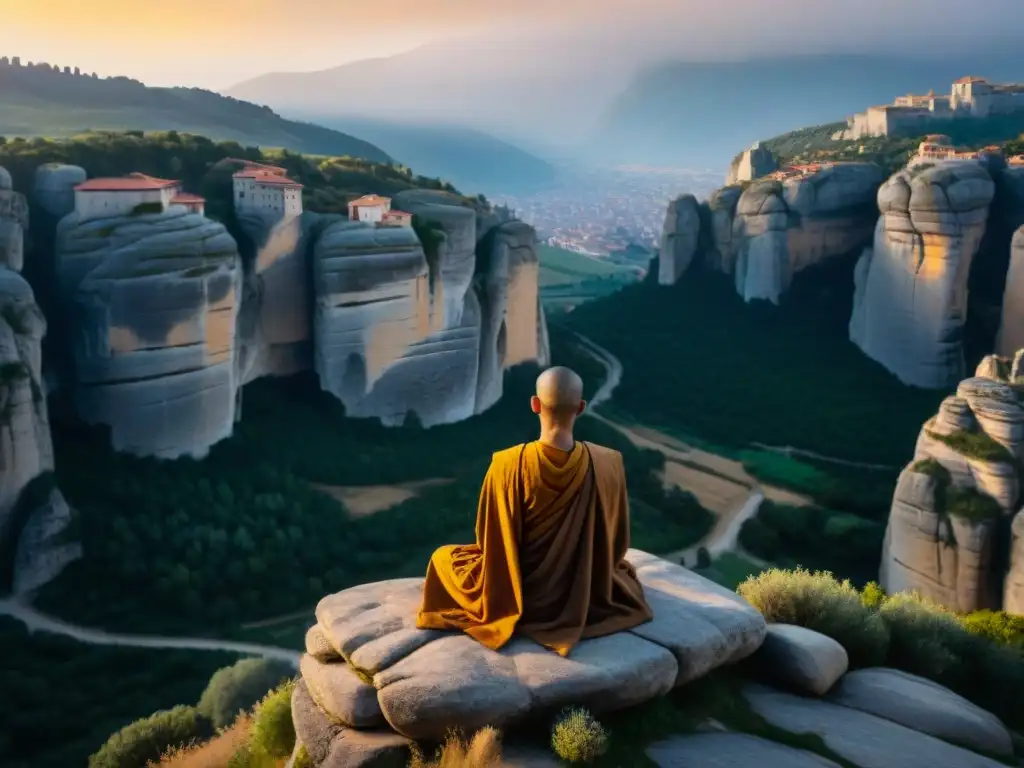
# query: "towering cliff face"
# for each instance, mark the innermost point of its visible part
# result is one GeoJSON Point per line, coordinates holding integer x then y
{"type": "Point", "coordinates": [679, 239]}
{"type": "Point", "coordinates": [25, 446]}
{"type": "Point", "coordinates": [512, 329]}
{"type": "Point", "coordinates": [154, 300]}
{"type": "Point", "coordinates": [275, 338]}
{"type": "Point", "coordinates": [783, 227]}
{"type": "Point", "coordinates": [721, 255]}
{"type": "Point", "coordinates": [752, 164]}
{"type": "Point", "coordinates": [954, 500]}
{"type": "Point", "coordinates": [454, 259]}
{"type": "Point", "coordinates": [380, 346]}
{"type": "Point", "coordinates": [910, 299]}
{"type": "Point", "coordinates": [1011, 328]}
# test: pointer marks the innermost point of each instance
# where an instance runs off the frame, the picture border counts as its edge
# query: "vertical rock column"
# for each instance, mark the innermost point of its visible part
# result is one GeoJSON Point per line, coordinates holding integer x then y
{"type": "Point", "coordinates": [679, 238]}
{"type": "Point", "coordinates": [155, 305]}
{"type": "Point", "coordinates": [910, 296]}
{"type": "Point", "coordinates": [26, 449]}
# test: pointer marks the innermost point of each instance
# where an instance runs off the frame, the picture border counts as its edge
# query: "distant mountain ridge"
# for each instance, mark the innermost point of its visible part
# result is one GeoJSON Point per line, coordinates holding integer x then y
{"type": "Point", "coordinates": [682, 112]}
{"type": "Point", "coordinates": [468, 158]}
{"type": "Point", "coordinates": [40, 100]}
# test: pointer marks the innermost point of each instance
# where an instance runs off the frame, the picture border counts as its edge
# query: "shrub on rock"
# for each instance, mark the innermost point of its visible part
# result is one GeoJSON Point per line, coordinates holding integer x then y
{"type": "Point", "coordinates": [998, 626]}
{"type": "Point", "coordinates": [273, 733]}
{"type": "Point", "coordinates": [578, 737]}
{"type": "Point", "coordinates": [239, 688]}
{"type": "Point", "coordinates": [820, 602]}
{"type": "Point", "coordinates": [147, 739]}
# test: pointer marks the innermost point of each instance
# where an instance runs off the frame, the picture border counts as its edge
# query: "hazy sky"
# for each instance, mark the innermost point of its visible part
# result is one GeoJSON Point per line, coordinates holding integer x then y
{"type": "Point", "coordinates": [217, 43]}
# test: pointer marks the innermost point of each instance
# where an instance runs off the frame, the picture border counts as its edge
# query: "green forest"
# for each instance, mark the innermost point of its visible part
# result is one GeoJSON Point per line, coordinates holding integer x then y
{"type": "Point", "coordinates": [243, 535]}
{"type": "Point", "coordinates": [329, 182]}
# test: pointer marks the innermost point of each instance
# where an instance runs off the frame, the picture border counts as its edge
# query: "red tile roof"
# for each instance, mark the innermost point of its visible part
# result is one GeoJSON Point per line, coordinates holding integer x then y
{"type": "Point", "coordinates": [370, 200]}
{"type": "Point", "coordinates": [970, 79]}
{"type": "Point", "coordinates": [135, 182]}
{"type": "Point", "coordinates": [266, 177]}
{"type": "Point", "coordinates": [185, 197]}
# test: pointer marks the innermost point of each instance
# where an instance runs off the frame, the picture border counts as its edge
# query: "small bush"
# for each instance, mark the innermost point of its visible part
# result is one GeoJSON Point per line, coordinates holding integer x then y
{"type": "Point", "coordinates": [922, 635]}
{"type": "Point", "coordinates": [703, 558]}
{"type": "Point", "coordinates": [272, 731]}
{"type": "Point", "coordinates": [820, 602]}
{"type": "Point", "coordinates": [998, 626]}
{"type": "Point", "coordinates": [482, 751]}
{"type": "Point", "coordinates": [578, 737]}
{"type": "Point", "coordinates": [239, 688]}
{"type": "Point", "coordinates": [872, 595]}
{"type": "Point", "coordinates": [149, 738]}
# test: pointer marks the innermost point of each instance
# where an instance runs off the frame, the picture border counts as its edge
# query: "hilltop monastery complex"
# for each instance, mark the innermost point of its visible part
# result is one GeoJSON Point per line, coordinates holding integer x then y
{"type": "Point", "coordinates": [968, 97]}
{"type": "Point", "coordinates": [257, 189]}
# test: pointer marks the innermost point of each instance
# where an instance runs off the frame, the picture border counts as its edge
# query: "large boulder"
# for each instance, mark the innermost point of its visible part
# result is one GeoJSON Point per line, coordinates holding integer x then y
{"type": "Point", "coordinates": [861, 739]}
{"type": "Point", "coordinates": [154, 302]}
{"type": "Point", "coordinates": [801, 659]}
{"type": "Point", "coordinates": [730, 750]}
{"type": "Point", "coordinates": [26, 450]}
{"type": "Point", "coordinates": [910, 294]}
{"type": "Point", "coordinates": [782, 227]}
{"type": "Point", "coordinates": [679, 238]}
{"type": "Point", "coordinates": [923, 706]}
{"type": "Point", "coordinates": [424, 682]}
{"type": "Point", "coordinates": [944, 524]}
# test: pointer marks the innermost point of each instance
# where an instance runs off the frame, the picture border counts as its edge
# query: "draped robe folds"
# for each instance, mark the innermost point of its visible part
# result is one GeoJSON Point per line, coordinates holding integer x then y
{"type": "Point", "coordinates": [552, 531]}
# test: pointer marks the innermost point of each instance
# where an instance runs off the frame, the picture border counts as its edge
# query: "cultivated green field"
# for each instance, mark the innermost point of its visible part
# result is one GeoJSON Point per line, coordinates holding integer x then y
{"type": "Point", "coordinates": [569, 279]}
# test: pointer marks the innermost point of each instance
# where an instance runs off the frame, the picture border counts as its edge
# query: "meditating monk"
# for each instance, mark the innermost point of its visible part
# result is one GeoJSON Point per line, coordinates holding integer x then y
{"type": "Point", "coordinates": [552, 530]}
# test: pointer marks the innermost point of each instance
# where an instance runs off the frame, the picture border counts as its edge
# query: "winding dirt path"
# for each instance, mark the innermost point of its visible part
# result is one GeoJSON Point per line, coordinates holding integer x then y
{"type": "Point", "coordinates": [37, 621]}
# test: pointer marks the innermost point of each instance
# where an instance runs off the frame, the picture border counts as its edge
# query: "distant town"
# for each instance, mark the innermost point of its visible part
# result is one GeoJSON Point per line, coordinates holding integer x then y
{"type": "Point", "coordinates": [604, 211]}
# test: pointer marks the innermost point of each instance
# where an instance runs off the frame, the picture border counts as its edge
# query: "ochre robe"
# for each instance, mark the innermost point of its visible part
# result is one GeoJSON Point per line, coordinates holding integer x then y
{"type": "Point", "coordinates": [552, 531]}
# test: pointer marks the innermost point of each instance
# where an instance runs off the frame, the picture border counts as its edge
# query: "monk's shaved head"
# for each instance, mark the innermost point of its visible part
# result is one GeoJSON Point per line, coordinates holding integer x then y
{"type": "Point", "coordinates": [560, 388]}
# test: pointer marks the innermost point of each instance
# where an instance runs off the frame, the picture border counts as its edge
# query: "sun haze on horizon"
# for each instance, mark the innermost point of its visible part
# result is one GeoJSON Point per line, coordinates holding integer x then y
{"type": "Point", "coordinates": [219, 43]}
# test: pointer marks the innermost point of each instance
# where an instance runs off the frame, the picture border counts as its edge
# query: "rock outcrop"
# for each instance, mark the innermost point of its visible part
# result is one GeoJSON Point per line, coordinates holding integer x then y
{"type": "Point", "coordinates": [425, 682]}
{"type": "Point", "coordinates": [54, 188]}
{"type": "Point", "coordinates": [910, 295]}
{"type": "Point", "coordinates": [945, 522]}
{"type": "Point", "coordinates": [751, 164]}
{"type": "Point", "coordinates": [43, 550]}
{"type": "Point", "coordinates": [783, 227]}
{"type": "Point", "coordinates": [274, 333]}
{"type": "Point", "coordinates": [154, 301]}
{"type": "Point", "coordinates": [679, 238]}
{"type": "Point", "coordinates": [765, 233]}
{"type": "Point", "coordinates": [401, 326]}
{"type": "Point", "coordinates": [801, 659]}
{"type": "Point", "coordinates": [1011, 328]}
{"type": "Point", "coordinates": [26, 449]}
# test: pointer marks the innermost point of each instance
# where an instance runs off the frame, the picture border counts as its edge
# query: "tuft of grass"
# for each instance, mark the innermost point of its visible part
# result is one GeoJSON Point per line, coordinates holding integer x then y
{"type": "Point", "coordinates": [215, 753]}
{"type": "Point", "coordinates": [976, 445]}
{"type": "Point", "coordinates": [578, 737]}
{"type": "Point", "coordinates": [820, 602]}
{"type": "Point", "coordinates": [932, 468]}
{"type": "Point", "coordinates": [482, 751]}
